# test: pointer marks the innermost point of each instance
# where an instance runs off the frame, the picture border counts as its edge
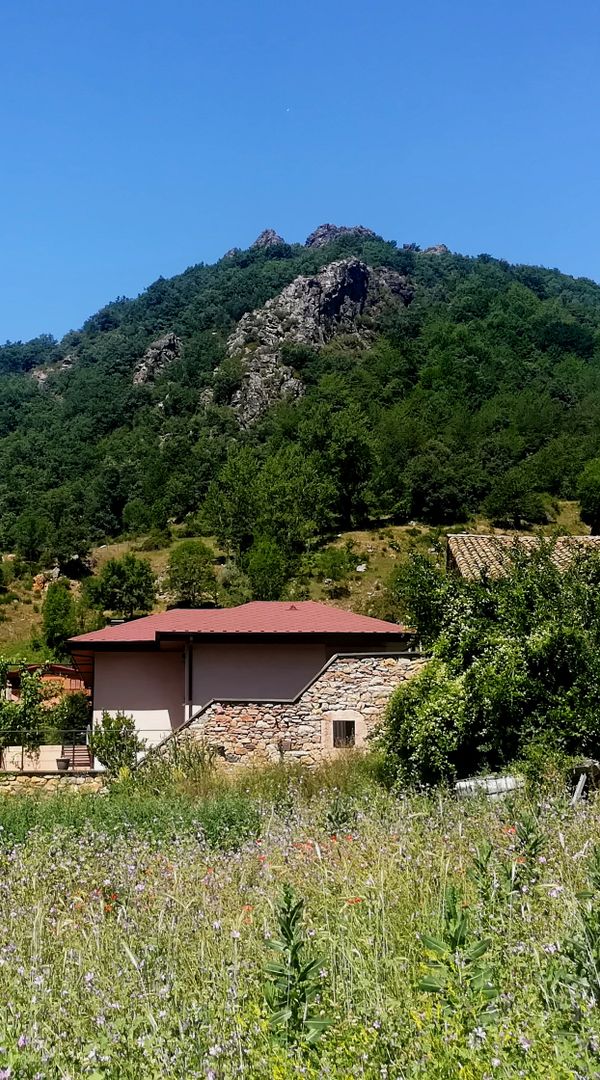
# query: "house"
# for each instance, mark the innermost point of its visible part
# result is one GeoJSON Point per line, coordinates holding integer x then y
{"type": "Point", "coordinates": [258, 681]}
{"type": "Point", "coordinates": [474, 554]}
{"type": "Point", "coordinates": [57, 679]}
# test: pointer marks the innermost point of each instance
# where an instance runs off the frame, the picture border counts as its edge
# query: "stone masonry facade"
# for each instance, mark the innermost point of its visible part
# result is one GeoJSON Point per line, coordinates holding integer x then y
{"type": "Point", "coordinates": [349, 688]}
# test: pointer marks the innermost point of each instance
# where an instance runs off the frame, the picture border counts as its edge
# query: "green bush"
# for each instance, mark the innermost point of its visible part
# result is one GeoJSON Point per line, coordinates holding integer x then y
{"type": "Point", "coordinates": [516, 661]}
{"type": "Point", "coordinates": [115, 742]}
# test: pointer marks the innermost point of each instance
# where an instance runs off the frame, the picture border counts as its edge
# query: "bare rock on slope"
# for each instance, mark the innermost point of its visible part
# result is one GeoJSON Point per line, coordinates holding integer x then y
{"type": "Point", "coordinates": [157, 357]}
{"type": "Point", "coordinates": [268, 238]}
{"type": "Point", "coordinates": [324, 234]}
{"type": "Point", "coordinates": [437, 249]}
{"type": "Point", "coordinates": [310, 311]}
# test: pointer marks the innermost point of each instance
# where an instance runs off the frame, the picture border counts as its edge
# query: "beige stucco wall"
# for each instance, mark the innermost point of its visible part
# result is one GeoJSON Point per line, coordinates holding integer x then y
{"type": "Point", "coordinates": [42, 761]}
{"type": "Point", "coordinates": [149, 686]}
{"type": "Point", "coordinates": [261, 672]}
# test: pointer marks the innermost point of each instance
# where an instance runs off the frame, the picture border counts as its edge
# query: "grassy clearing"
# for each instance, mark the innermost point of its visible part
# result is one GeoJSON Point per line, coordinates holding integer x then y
{"type": "Point", "coordinates": [134, 940]}
{"type": "Point", "coordinates": [382, 547]}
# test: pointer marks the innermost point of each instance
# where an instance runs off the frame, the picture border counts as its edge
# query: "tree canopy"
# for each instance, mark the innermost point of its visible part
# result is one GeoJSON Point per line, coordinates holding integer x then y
{"type": "Point", "coordinates": [515, 664]}
{"type": "Point", "coordinates": [190, 574]}
{"type": "Point", "coordinates": [125, 586]}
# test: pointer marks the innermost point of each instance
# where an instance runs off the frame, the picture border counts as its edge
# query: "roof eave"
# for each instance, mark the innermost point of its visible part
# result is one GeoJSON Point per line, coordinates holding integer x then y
{"type": "Point", "coordinates": [240, 635]}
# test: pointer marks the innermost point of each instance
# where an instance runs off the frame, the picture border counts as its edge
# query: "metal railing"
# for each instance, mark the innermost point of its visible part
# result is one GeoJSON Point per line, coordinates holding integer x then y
{"type": "Point", "coordinates": [26, 751]}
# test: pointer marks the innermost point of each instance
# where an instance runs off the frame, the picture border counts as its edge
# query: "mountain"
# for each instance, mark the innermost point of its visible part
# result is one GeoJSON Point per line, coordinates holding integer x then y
{"type": "Point", "coordinates": [292, 390]}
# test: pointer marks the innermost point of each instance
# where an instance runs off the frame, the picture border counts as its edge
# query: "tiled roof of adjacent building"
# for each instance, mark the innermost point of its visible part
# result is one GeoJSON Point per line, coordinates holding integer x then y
{"type": "Point", "coordinates": [473, 554]}
{"type": "Point", "coordinates": [258, 617]}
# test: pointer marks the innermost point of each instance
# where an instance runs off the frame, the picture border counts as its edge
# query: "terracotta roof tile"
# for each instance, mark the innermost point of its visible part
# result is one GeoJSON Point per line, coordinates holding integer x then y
{"type": "Point", "coordinates": [257, 617]}
{"type": "Point", "coordinates": [473, 554]}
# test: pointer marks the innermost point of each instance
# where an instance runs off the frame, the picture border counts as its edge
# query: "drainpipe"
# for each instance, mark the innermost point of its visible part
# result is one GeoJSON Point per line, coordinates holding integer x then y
{"type": "Point", "coordinates": [187, 706]}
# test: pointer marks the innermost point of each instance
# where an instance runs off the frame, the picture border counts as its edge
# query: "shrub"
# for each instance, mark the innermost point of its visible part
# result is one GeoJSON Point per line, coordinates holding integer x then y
{"type": "Point", "coordinates": [183, 764]}
{"type": "Point", "coordinates": [115, 742]}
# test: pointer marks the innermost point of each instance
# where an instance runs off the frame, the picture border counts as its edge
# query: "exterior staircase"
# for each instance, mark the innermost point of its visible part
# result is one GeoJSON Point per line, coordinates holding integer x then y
{"type": "Point", "coordinates": [78, 754]}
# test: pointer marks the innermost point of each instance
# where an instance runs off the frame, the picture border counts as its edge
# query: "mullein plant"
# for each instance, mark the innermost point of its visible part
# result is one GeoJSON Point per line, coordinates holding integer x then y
{"type": "Point", "coordinates": [294, 983]}
{"type": "Point", "coordinates": [456, 971]}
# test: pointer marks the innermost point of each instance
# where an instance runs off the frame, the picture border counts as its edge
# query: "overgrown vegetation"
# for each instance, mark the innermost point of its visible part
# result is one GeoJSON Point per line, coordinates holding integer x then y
{"type": "Point", "coordinates": [515, 669]}
{"type": "Point", "coordinates": [427, 936]}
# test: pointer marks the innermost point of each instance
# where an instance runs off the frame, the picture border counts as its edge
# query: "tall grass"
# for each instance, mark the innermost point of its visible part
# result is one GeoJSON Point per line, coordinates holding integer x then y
{"type": "Point", "coordinates": [134, 930]}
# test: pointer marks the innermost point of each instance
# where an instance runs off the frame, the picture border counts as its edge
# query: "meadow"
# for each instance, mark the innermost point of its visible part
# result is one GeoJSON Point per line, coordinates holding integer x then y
{"type": "Point", "coordinates": [283, 924]}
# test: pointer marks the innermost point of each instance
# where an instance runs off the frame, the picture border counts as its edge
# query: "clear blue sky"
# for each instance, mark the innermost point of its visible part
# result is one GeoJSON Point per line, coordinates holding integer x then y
{"type": "Point", "coordinates": [138, 138]}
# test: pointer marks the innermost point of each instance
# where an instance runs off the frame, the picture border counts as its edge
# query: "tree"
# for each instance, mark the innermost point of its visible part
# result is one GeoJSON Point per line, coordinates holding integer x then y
{"type": "Point", "coordinates": [126, 586]}
{"type": "Point", "coordinates": [230, 507]}
{"type": "Point", "coordinates": [32, 532]}
{"type": "Point", "coordinates": [267, 568]}
{"type": "Point", "coordinates": [513, 502]}
{"type": "Point", "coordinates": [588, 493]}
{"type": "Point", "coordinates": [59, 618]}
{"type": "Point", "coordinates": [21, 721]}
{"type": "Point", "coordinates": [515, 665]}
{"type": "Point", "coordinates": [294, 498]}
{"type": "Point", "coordinates": [190, 574]}
{"type": "Point", "coordinates": [69, 719]}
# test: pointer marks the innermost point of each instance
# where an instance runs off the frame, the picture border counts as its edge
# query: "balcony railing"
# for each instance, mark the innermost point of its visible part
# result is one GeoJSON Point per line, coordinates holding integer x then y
{"type": "Point", "coordinates": [71, 754]}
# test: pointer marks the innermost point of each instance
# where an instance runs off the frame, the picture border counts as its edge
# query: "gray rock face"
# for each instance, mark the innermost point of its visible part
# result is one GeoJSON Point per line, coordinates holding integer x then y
{"type": "Point", "coordinates": [42, 374]}
{"type": "Point", "coordinates": [437, 249]}
{"type": "Point", "coordinates": [268, 238]}
{"type": "Point", "coordinates": [310, 311]}
{"type": "Point", "coordinates": [157, 357]}
{"type": "Point", "coordinates": [324, 234]}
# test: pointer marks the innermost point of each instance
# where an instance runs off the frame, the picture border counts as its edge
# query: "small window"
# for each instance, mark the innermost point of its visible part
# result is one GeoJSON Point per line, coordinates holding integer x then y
{"type": "Point", "coordinates": [344, 733]}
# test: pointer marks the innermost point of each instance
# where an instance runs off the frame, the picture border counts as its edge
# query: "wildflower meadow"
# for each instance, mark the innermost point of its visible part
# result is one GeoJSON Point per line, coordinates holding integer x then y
{"type": "Point", "coordinates": [280, 927]}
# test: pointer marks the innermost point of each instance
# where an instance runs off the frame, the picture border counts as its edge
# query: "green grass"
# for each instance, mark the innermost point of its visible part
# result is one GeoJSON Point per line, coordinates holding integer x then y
{"type": "Point", "coordinates": [134, 930]}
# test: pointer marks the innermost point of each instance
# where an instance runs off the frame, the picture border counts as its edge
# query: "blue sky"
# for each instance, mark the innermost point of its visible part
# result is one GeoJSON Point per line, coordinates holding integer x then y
{"type": "Point", "coordinates": [138, 138]}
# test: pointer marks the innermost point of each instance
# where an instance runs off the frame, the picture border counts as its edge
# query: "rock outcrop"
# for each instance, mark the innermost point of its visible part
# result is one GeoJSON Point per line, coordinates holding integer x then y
{"type": "Point", "coordinates": [157, 357]}
{"type": "Point", "coordinates": [268, 238]}
{"type": "Point", "coordinates": [42, 374]}
{"type": "Point", "coordinates": [324, 234]}
{"type": "Point", "coordinates": [437, 249]}
{"type": "Point", "coordinates": [310, 311]}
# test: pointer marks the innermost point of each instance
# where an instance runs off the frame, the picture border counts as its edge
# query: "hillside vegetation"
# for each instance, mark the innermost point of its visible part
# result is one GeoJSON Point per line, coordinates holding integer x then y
{"type": "Point", "coordinates": [378, 552]}
{"type": "Point", "coordinates": [479, 394]}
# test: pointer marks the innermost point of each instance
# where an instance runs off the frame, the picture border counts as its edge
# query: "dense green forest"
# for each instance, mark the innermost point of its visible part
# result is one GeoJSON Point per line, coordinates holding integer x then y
{"type": "Point", "coordinates": [483, 393]}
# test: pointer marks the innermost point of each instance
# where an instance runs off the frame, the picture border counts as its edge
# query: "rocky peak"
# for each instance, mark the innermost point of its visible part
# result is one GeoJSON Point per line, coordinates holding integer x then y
{"type": "Point", "coordinates": [268, 238]}
{"type": "Point", "coordinates": [437, 249]}
{"type": "Point", "coordinates": [157, 357]}
{"type": "Point", "coordinates": [324, 234]}
{"type": "Point", "coordinates": [310, 311]}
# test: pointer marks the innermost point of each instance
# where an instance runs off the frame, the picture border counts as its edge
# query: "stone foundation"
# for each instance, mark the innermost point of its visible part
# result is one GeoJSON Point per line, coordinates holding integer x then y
{"type": "Point", "coordinates": [23, 783]}
{"type": "Point", "coordinates": [353, 689]}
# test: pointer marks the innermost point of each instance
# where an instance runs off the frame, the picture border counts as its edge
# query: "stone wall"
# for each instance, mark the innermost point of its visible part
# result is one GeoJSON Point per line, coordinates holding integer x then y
{"type": "Point", "coordinates": [354, 688]}
{"type": "Point", "coordinates": [23, 783]}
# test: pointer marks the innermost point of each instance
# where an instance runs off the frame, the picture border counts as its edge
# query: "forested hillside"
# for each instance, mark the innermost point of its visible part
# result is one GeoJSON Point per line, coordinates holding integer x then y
{"type": "Point", "coordinates": [478, 389]}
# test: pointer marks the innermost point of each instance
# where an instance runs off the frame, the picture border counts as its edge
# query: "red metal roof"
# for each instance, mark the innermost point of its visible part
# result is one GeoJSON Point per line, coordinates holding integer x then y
{"type": "Point", "coordinates": [257, 617]}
